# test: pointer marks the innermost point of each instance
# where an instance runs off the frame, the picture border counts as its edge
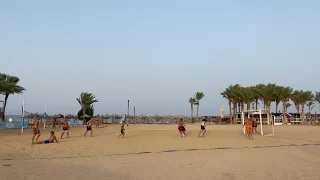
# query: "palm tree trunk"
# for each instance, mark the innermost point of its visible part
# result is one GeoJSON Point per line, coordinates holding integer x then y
{"type": "Point", "coordinates": [235, 112]}
{"type": "Point", "coordinates": [241, 107]}
{"type": "Point", "coordinates": [4, 106]}
{"type": "Point", "coordinates": [248, 106]}
{"type": "Point", "coordinates": [256, 104]}
{"type": "Point", "coordinates": [191, 113]}
{"type": "Point", "coordinates": [230, 112]}
{"type": "Point", "coordinates": [284, 113]}
{"type": "Point", "coordinates": [268, 113]}
{"type": "Point", "coordinates": [198, 111]}
{"type": "Point", "coordinates": [277, 106]}
{"type": "Point", "coordinates": [302, 113]}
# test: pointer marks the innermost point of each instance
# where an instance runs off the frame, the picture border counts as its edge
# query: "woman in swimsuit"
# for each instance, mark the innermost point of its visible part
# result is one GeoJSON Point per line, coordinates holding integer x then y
{"type": "Point", "coordinates": [89, 128]}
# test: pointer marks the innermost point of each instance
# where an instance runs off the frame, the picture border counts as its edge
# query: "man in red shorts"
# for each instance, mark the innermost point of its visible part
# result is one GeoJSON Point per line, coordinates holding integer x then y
{"type": "Point", "coordinates": [181, 128]}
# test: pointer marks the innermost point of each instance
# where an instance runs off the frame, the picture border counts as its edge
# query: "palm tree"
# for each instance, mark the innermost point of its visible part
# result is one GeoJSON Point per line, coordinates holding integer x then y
{"type": "Point", "coordinates": [192, 101]}
{"type": "Point", "coordinates": [198, 96]}
{"type": "Point", "coordinates": [317, 97]}
{"type": "Point", "coordinates": [278, 96]}
{"type": "Point", "coordinates": [86, 100]}
{"type": "Point", "coordinates": [9, 85]}
{"type": "Point", "coordinates": [236, 98]}
{"type": "Point", "coordinates": [296, 99]}
{"type": "Point", "coordinates": [228, 95]}
{"type": "Point", "coordinates": [307, 96]}
{"type": "Point", "coordinates": [266, 93]}
{"type": "Point", "coordinates": [285, 95]}
{"type": "Point", "coordinates": [310, 106]}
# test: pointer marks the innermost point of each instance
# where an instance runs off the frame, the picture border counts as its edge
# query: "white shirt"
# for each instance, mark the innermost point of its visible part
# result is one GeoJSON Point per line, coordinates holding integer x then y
{"type": "Point", "coordinates": [202, 123]}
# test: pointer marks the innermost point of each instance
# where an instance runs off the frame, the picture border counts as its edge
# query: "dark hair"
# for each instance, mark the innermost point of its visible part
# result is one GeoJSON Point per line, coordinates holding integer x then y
{"type": "Point", "coordinates": [52, 132]}
{"type": "Point", "coordinates": [181, 119]}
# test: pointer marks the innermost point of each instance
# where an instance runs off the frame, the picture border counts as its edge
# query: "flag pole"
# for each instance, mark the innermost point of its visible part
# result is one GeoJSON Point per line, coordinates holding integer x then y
{"type": "Point", "coordinates": [22, 116]}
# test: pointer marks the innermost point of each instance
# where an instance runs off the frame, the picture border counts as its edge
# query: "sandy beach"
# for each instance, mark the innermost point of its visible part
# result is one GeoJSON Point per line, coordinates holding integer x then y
{"type": "Point", "coordinates": [158, 152]}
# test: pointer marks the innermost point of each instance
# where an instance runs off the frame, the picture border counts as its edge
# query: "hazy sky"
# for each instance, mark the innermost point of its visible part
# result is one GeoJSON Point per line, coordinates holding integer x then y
{"type": "Point", "coordinates": [157, 53]}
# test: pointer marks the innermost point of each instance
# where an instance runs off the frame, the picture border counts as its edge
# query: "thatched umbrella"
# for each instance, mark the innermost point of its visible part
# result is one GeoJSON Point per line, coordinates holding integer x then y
{"type": "Point", "coordinates": [86, 116]}
{"type": "Point", "coordinates": [69, 116]}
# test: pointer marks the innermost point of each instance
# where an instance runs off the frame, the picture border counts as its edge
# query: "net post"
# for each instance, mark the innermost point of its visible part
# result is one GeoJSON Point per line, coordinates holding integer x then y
{"type": "Point", "coordinates": [260, 115]}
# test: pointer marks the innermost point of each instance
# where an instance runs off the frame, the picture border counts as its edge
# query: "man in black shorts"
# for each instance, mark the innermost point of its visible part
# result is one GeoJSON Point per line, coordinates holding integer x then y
{"type": "Point", "coordinates": [122, 129]}
{"type": "Point", "coordinates": [203, 127]}
{"type": "Point", "coordinates": [89, 128]}
{"type": "Point", "coordinates": [254, 125]}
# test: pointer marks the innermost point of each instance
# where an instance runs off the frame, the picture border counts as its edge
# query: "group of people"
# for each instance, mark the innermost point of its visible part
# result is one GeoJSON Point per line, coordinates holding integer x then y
{"type": "Point", "coordinates": [182, 127]}
{"type": "Point", "coordinates": [65, 129]}
{"type": "Point", "coordinates": [250, 125]}
{"type": "Point", "coordinates": [52, 139]}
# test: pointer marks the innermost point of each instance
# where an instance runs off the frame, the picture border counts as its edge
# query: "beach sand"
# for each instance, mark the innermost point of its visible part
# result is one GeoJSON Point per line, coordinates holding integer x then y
{"type": "Point", "coordinates": [147, 153]}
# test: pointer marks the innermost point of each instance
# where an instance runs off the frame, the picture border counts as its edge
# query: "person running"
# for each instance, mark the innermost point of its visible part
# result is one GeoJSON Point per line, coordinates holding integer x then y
{"type": "Point", "coordinates": [52, 139]}
{"type": "Point", "coordinates": [203, 127]}
{"type": "Point", "coordinates": [122, 129]}
{"type": "Point", "coordinates": [97, 123]}
{"type": "Point", "coordinates": [65, 128]}
{"type": "Point", "coordinates": [248, 125]}
{"type": "Point", "coordinates": [181, 128]}
{"type": "Point", "coordinates": [89, 128]}
{"type": "Point", "coordinates": [36, 131]}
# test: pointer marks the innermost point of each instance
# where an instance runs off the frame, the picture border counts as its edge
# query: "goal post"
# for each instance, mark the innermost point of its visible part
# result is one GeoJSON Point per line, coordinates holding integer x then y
{"type": "Point", "coordinates": [265, 122]}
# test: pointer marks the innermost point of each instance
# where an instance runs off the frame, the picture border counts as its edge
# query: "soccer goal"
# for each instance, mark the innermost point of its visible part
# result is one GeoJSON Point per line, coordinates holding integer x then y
{"type": "Point", "coordinates": [265, 121]}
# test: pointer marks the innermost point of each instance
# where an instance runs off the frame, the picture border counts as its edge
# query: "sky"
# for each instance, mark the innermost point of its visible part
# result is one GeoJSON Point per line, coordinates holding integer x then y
{"type": "Point", "coordinates": [155, 53]}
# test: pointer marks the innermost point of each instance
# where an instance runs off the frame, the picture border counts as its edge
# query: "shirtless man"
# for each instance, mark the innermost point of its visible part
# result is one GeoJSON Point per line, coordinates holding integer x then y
{"type": "Point", "coordinates": [36, 131]}
{"type": "Point", "coordinates": [54, 123]}
{"type": "Point", "coordinates": [65, 128]}
{"type": "Point", "coordinates": [254, 125]}
{"type": "Point", "coordinates": [97, 124]}
{"type": "Point", "coordinates": [52, 139]}
{"type": "Point", "coordinates": [248, 125]}
{"type": "Point", "coordinates": [181, 128]}
{"type": "Point", "coordinates": [122, 129]}
{"type": "Point", "coordinates": [203, 127]}
{"type": "Point", "coordinates": [89, 128]}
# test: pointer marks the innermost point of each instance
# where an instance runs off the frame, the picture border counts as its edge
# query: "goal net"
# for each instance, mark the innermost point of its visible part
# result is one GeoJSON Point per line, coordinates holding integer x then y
{"type": "Point", "coordinates": [264, 120]}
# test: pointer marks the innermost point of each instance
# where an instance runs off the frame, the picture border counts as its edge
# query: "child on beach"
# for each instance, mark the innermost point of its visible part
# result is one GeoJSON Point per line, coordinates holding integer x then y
{"type": "Point", "coordinates": [89, 128]}
{"type": "Point", "coordinates": [181, 128]}
{"type": "Point", "coordinates": [36, 131]}
{"type": "Point", "coordinates": [203, 127]}
{"type": "Point", "coordinates": [122, 129]}
{"type": "Point", "coordinates": [50, 140]}
{"type": "Point", "coordinates": [65, 128]}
